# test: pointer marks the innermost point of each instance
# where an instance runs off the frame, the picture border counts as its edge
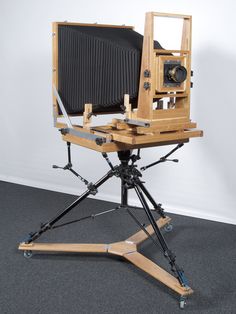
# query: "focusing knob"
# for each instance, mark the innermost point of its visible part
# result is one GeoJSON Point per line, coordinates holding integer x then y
{"type": "Point", "coordinates": [178, 74]}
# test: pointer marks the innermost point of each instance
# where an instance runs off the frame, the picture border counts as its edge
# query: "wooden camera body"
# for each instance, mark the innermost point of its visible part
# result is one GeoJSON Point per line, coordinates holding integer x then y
{"type": "Point", "coordinates": [162, 114]}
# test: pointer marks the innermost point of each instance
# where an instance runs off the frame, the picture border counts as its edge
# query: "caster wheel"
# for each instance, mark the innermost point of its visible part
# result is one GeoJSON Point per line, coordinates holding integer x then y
{"type": "Point", "coordinates": [182, 302]}
{"type": "Point", "coordinates": [168, 228]}
{"type": "Point", "coordinates": [28, 254]}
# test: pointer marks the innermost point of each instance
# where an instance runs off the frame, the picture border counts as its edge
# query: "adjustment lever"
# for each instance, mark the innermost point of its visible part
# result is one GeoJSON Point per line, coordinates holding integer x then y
{"type": "Point", "coordinates": [69, 166]}
{"type": "Point", "coordinates": [164, 158]}
{"type": "Point", "coordinates": [58, 167]}
{"type": "Point", "coordinates": [174, 160]}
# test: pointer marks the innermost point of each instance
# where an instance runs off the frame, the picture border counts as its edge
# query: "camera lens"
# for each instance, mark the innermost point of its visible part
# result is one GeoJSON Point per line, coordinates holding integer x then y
{"type": "Point", "coordinates": [177, 74]}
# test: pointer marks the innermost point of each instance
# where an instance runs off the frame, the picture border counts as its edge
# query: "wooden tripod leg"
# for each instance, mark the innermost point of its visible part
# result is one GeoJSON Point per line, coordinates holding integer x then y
{"type": "Point", "coordinates": [157, 272]}
{"type": "Point", "coordinates": [65, 247]}
{"type": "Point", "coordinates": [141, 236]}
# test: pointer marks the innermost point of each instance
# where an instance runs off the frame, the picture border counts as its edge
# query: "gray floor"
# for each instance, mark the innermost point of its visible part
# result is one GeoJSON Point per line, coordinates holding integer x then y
{"type": "Point", "coordinates": [74, 283]}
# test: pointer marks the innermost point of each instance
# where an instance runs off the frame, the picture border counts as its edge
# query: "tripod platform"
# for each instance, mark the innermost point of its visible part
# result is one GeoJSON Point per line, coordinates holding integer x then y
{"type": "Point", "coordinates": [121, 136]}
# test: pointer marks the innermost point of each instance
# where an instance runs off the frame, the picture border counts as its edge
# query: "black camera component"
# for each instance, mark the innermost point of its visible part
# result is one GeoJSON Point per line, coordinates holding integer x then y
{"type": "Point", "coordinates": [147, 73]}
{"type": "Point", "coordinates": [174, 73]}
{"type": "Point", "coordinates": [146, 85]}
{"type": "Point", "coordinates": [98, 65]}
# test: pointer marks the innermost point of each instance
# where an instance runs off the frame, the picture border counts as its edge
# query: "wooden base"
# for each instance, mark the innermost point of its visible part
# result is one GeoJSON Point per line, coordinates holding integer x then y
{"type": "Point", "coordinates": [128, 249]}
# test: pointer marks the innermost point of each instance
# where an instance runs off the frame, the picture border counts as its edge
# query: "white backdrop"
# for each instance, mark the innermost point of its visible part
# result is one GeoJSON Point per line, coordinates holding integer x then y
{"type": "Point", "coordinates": [202, 184]}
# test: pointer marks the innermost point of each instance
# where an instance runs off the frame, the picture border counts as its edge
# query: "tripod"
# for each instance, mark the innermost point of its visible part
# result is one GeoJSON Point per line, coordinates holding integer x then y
{"type": "Point", "coordinates": [130, 178]}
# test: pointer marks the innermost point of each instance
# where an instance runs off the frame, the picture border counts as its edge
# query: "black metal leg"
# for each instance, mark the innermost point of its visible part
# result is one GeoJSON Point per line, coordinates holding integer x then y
{"type": "Point", "coordinates": [156, 206]}
{"type": "Point", "coordinates": [167, 252]}
{"type": "Point", "coordinates": [48, 225]}
{"type": "Point", "coordinates": [124, 157]}
{"type": "Point", "coordinates": [124, 194]}
{"type": "Point", "coordinates": [151, 218]}
{"type": "Point", "coordinates": [69, 152]}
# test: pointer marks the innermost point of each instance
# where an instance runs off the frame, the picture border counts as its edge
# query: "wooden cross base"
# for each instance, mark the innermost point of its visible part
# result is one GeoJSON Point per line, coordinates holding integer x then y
{"type": "Point", "coordinates": [128, 249]}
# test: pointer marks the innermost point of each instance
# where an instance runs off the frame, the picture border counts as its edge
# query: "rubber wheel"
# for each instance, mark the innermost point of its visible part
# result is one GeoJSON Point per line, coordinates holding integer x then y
{"type": "Point", "coordinates": [168, 228]}
{"type": "Point", "coordinates": [28, 254]}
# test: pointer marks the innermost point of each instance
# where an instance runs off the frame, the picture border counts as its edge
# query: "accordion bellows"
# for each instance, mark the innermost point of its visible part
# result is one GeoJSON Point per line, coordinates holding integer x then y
{"type": "Point", "coordinates": [98, 65]}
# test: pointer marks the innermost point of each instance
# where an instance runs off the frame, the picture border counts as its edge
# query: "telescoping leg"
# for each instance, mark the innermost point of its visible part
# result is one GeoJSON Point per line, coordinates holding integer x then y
{"type": "Point", "coordinates": [48, 225]}
{"type": "Point", "coordinates": [156, 206]}
{"type": "Point", "coordinates": [167, 252]}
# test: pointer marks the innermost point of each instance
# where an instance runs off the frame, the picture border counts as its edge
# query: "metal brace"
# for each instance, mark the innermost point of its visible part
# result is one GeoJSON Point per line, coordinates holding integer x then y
{"type": "Point", "coordinates": [70, 130]}
{"type": "Point", "coordinates": [63, 110]}
{"type": "Point", "coordinates": [137, 122]}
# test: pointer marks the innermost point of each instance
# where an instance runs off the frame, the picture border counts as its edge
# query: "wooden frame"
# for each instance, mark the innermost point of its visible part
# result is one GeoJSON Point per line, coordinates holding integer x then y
{"type": "Point", "coordinates": [165, 126]}
{"type": "Point", "coordinates": [152, 61]}
{"type": "Point", "coordinates": [128, 249]}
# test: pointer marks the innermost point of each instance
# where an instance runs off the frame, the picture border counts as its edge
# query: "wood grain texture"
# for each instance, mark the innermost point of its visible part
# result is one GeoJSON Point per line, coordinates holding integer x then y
{"type": "Point", "coordinates": [87, 117]}
{"type": "Point", "coordinates": [171, 15]}
{"type": "Point", "coordinates": [186, 44]}
{"type": "Point", "coordinates": [94, 25]}
{"type": "Point", "coordinates": [166, 128]}
{"type": "Point", "coordinates": [121, 248]}
{"type": "Point", "coordinates": [145, 96]}
{"type": "Point", "coordinates": [157, 272]}
{"type": "Point", "coordinates": [65, 247]}
{"type": "Point", "coordinates": [141, 236]}
{"type": "Point", "coordinates": [116, 146]}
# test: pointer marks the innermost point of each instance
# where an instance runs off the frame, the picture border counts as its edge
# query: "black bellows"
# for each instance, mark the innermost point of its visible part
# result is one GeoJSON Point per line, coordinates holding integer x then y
{"type": "Point", "coordinates": [98, 65]}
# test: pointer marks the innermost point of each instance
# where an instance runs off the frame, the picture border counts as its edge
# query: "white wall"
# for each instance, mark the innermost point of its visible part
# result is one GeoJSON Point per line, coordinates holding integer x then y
{"type": "Point", "coordinates": [202, 184]}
